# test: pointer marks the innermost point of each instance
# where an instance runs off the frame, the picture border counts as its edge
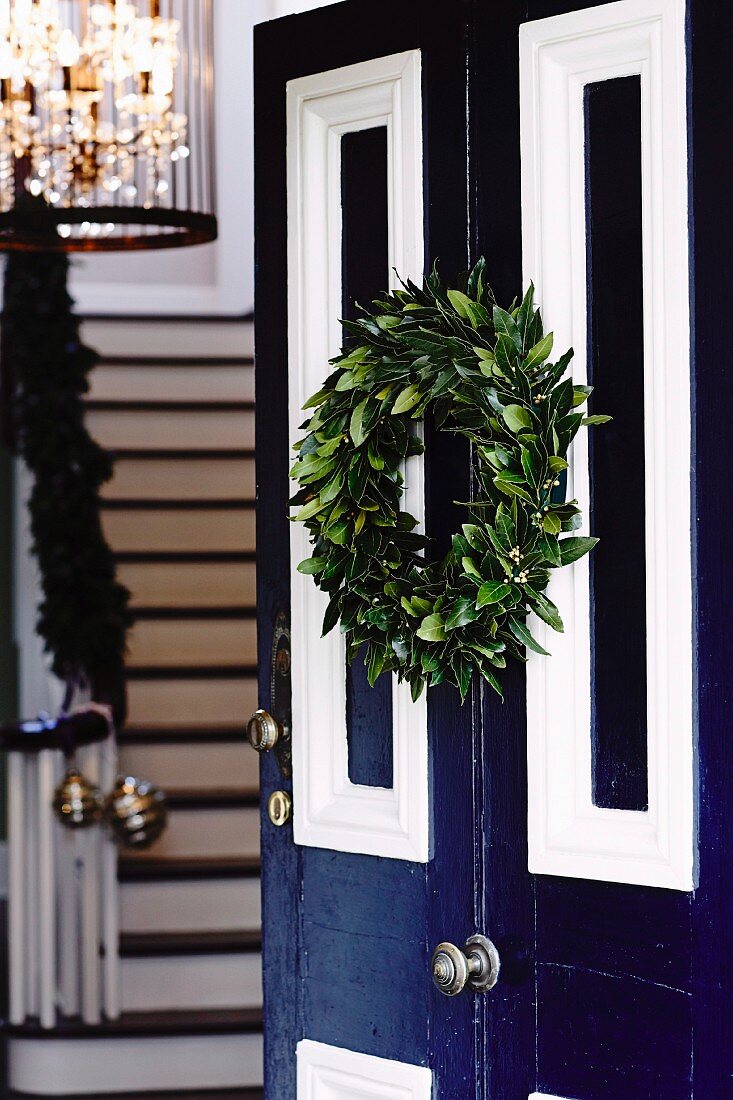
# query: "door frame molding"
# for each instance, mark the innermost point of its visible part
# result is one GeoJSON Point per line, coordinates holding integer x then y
{"type": "Point", "coordinates": [329, 810]}
{"type": "Point", "coordinates": [323, 1068]}
{"type": "Point", "coordinates": [568, 834]}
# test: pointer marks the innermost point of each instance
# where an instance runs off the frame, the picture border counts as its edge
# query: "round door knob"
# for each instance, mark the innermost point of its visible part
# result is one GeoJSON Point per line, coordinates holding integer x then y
{"type": "Point", "coordinates": [263, 732]}
{"type": "Point", "coordinates": [477, 966]}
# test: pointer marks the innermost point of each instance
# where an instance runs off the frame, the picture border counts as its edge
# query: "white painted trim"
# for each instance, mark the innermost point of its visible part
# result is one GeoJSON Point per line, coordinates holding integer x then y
{"type": "Point", "coordinates": [329, 810]}
{"type": "Point", "coordinates": [568, 835]}
{"type": "Point", "coordinates": [326, 1072]}
{"type": "Point", "coordinates": [231, 293]}
{"type": "Point", "coordinates": [544, 1096]}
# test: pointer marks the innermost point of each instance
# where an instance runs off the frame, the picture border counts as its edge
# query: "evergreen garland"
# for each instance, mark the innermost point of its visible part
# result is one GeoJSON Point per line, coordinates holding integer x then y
{"type": "Point", "coordinates": [84, 615]}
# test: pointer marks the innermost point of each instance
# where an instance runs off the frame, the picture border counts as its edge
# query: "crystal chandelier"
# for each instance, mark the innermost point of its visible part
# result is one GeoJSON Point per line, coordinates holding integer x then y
{"type": "Point", "coordinates": [106, 124]}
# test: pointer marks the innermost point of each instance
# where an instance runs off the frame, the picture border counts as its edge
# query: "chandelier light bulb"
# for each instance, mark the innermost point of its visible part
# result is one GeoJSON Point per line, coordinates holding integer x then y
{"type": "Point", "coordinates": [163, 80]}
{"type": "Point", "coordinates": [68, 50]}
{"type": "Point", "coordinates": [21, 11]}
{"type": "Point", "coordinates": [142, 56]}
{"type": "Point", "coordinates": [6, 60]}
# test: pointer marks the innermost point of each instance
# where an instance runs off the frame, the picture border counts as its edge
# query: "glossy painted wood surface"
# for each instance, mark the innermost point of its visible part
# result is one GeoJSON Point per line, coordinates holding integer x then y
{"type": "Point", "coordinates": [608, 991]}
{"type": "Point", "coordinates": [710, 29]}
{"type": "Point", "coordinates": [347, 939]}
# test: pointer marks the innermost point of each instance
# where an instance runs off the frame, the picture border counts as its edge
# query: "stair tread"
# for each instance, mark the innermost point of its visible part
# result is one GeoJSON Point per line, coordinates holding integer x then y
{"type": "Point", "coordinates": [154, 944]}
{"type": "Point", "coordinates": [102, 404]}
{"type": "Point", "coordinates": [193, 798]}
{"type": "Point", "coordinates": [205, 1021]}
{"type": "Point", "coordinates": [144, 868]}
{"type": "Point", "coordinates": [191, 672]}
{"type": "Point", "coordinates": [190, 557]}
{"type": "Point", "coordinates": [175, 361]}
{"type": "Point", "coordinates": [232, 611]}
{"type": "Point", "coordinates": [177, 504]}
{"type": "Point", "coordinates": [147, 454]}
{"type": "Point", "coordinates": [151, 735]}
{"type": "Point", "coordinates": [207, 1094]}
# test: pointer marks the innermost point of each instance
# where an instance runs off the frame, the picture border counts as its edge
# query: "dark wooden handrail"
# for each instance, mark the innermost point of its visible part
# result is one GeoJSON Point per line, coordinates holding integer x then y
{"type": "Point", "coordinates": [67, 733]}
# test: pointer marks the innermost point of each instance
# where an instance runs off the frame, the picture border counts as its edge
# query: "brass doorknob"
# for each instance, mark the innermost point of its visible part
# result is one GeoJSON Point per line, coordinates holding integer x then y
{"type": "Point", "coordinates": [279, 808]}
{"type": "Point", "coordinates": [263, 732]}
{"type": "Point", "coordinates": [477, 966]}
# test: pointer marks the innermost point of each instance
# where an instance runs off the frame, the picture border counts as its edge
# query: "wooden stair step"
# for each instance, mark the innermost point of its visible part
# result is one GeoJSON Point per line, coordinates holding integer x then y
{"type": "Point", "coordinates": [206, 1021]}
{"type": "Point", "coordinates": [177, 340]}
{"type": "Point", "coordinates": [190, 905]}
{"type": "Point", "coordinates": [145, 868]}
{"type": "Point", "coordinates": [217, 798]}
{"type": "Point", "coordinates": [243, 611]}
{"type": "Point", "coordinates": [191, 703]}
{"type": "Point", "coordinates": [171, 641]}
{"type": "Point", "coordinates": [176, 361]}
{"type": "Point", "coordinates": [209, 766]}
{"type": "Point", "coordinates": [186, 380]}
{"type": "Point", "coordinates": [123, 504]}
{"type": "Point", "coordinates": [186, 529]}
{"type": "Point", "coordinates": [220, 475]}
{"type": "Point", "coordinates": [147, 454]}
{"type": "Point", "coordinates": [185, 557]}
{"type": "Point", "coordinates": [182, 584]}
{"type": "Point", "coordinates": [161, 735]}
{"type": "Point", "coordinates": [191, 672]}
{"type": "Point", "coordinates": [199, 826]}
{"type": "Point", "coordinates": [167, 405]}
{"type": "Point", "coordinates": [155, 944]}
{"type": "Point", "coordinates": [197, 1094]}
{"type": "Point", "coordinates": [167, 426]}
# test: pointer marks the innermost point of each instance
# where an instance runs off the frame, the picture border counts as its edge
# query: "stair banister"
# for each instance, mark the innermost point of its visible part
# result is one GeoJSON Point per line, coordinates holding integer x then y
{"type": "Point", "coordinates": [63, 908]}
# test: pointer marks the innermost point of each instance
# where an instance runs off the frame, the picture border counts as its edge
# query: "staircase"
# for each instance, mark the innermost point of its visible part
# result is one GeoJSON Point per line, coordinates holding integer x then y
{"type": "Point", "coordinates": [174, 402]}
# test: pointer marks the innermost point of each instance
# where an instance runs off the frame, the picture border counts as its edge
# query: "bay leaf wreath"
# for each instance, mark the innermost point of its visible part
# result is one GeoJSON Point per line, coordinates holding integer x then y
{"type": "Point", "coordinates": [486, 374]}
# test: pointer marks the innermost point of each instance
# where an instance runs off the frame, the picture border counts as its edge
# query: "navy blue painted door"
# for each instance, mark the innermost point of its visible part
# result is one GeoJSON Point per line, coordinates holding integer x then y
{"type": "Point", "coordinates": [610, 990]}
{"type": "Point", "coordinates": [348, 937]}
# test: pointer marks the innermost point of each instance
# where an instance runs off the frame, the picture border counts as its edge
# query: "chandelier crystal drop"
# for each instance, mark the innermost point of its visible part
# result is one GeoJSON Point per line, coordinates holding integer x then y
{"type": "Point", "coordinates": [98, 101]}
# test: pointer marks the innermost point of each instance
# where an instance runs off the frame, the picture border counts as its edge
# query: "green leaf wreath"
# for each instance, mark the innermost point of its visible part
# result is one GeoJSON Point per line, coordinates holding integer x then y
{"type": "Point", "coordinates": [484, 373]}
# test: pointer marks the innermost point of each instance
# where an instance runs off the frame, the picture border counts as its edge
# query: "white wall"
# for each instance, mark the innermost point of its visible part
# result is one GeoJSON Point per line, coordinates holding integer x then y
{"type": "Point", "coordinates": [290, 7]}
{"type": "Point", "coordinates": [215, 279]}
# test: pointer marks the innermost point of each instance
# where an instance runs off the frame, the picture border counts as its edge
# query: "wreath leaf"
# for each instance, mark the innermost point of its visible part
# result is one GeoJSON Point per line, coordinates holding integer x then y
{"type": "Point", "coordinates": [484, 373]}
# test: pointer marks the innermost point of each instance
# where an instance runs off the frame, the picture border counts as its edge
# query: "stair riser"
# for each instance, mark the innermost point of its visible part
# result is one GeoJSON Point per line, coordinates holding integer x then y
{"type": "Point", "coordinates": [215, 529]}
{"type": "Point", "coordinates": [187, 339]}
{"type": "Point", "coordinates": [203, 906]}
{"type": "Point", "coordinates": [171, 430]}
{"type": "Point", "coordinates": [55, 1067]}
{"type": "Point", "coordinates": [191, 704]}
{"type": "Point", "coordinates": [224, 584]}
{"type": "Point", "coordinates": [174, 479]}
{"type": "Point", "coordinates": [198, 642]}
{"type": "Point", "coordinates": [204, 766]}
{"type": "Point", "coordinates": [192, 981]}
{"type": "Point", "coordinates": [217, 832]}
{"type": "Point", "coordinates": [194, 383]}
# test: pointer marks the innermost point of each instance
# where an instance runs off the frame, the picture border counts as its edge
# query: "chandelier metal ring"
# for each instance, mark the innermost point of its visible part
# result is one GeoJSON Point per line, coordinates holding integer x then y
{"type": "Point", "coordinates": [106, 124]}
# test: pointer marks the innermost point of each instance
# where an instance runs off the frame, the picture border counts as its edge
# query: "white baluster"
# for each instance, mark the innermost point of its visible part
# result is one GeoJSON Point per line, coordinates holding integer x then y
{"type": "Point", "coordinates": [110, 894]}
{"type": "Point", "coordinates": [17, 921]}
{"type": "Point", "coordinates": [91, 970]}
{"type": "Point", "coordinates": [46, 769]}
{"type": "Point", "coordinates": [30, 859]}
{"type": "Point", "coordinates": [67, 892]}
